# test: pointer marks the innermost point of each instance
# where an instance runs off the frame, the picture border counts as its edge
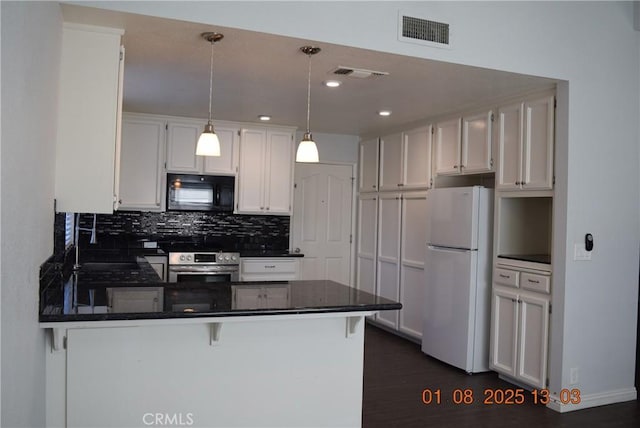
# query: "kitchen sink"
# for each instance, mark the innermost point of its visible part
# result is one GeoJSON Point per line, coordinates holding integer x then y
{"type": "Point", "coordinates": [108, 266]}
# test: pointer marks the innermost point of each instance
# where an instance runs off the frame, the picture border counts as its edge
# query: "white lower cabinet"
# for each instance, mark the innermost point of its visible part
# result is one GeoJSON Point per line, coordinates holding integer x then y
{"type": "Point", "coordinates": [268, 269]}
{"type": "Point", "coordinates": [520, 327]}
{"type": "Point", "coordinates": [260, 297]}
{"type": "Point", "coordinates": [400, 259]}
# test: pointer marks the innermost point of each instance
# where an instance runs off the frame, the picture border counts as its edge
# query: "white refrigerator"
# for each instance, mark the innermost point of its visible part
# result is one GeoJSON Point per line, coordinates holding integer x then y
{"type": "Point", "coordinates": [458, 276]}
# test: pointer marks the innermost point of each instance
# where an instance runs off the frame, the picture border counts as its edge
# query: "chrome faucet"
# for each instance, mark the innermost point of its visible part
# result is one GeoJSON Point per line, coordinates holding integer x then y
{"type": "Point", "coordinates": [76, 238]}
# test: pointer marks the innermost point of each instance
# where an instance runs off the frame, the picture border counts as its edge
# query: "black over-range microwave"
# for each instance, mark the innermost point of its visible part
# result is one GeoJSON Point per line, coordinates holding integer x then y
{"type": "Point", "coordinates": [190, 192]}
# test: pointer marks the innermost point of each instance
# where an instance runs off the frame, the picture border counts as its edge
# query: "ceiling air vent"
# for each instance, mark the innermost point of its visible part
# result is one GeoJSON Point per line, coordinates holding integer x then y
{"type": "Point", "coordinates": [418, 30]}
{"type": "Point", "coordinates": [359, 73]}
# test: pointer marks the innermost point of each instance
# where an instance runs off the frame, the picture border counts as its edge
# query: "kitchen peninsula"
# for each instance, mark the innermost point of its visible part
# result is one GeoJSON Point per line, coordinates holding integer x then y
{"type": "Point", "coordinates": [229, 354]}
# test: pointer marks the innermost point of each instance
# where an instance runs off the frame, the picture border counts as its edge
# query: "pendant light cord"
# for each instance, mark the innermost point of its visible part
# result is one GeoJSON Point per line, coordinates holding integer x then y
{"type": "Point", "coordinates": [309, 94]}
{"type": "Point", "coordinates": [211, 81]}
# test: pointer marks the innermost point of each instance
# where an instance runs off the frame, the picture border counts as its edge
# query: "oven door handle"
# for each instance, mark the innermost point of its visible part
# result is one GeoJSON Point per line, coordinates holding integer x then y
{"type": "Point", "coordinates": [200, 270]}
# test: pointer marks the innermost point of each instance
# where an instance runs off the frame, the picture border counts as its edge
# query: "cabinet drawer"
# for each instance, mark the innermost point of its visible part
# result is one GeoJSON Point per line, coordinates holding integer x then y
{"type": "Point", "coordinates": [533, 282]}
{"type": "Point", "coordinates": [506, 277]}
{"type": "Point", "coordinates": [266, 266]}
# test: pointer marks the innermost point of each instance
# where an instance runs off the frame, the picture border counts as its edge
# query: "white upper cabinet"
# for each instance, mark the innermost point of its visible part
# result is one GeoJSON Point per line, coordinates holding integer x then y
{"type": "Point", "coordinates": [463, 145]}
{"type": "Point", "coordinates": [476, 143]}
{"type": "Point", "coordinates": [391, 162]}
{"type": "Point", "coordinates": [447, 147]}
{"type": "Point", "coordinates": [265, 175]}
{"type": "Point", "coordinates": [142, 163]}
{"type": "Point", "coordinates": [183, 136]}
{"type": "Point", "coordinates": [90, 104]}
{"type": "Point", "coordinates": [416, 158]}
{"type": "Point", "coordinates": [525, 145]}
{"type": "Point", "coordinates": [368, 166]}
{"type": "Point", "coordinates": [405, 160]}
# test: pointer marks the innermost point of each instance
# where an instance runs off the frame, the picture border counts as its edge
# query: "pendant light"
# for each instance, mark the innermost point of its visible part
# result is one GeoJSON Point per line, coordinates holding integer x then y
{"type": "Point", "coordinates": [208, 143]}
{"type": "Point", "coordinates": [307, 149]}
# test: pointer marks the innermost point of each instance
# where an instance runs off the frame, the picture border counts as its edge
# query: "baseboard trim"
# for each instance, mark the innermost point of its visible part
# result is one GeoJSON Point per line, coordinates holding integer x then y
{"type": "Point", "coordinates": [593, 400]}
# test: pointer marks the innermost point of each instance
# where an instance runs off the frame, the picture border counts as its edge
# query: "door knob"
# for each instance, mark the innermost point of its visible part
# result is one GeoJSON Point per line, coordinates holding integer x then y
{"type": "Point", "coordinates": [297, 250]}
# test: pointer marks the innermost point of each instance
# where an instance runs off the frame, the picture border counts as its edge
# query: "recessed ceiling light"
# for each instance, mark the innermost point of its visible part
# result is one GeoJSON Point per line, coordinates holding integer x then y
{"type": "Point", "coordinates": [332, 83]}
{"type": "Point", "coordinates": [384, 112]}
{"type": "Point", "coordinates": [264, 117]}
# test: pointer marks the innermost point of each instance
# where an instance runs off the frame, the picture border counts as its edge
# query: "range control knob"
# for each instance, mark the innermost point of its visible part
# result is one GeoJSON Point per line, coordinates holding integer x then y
{"type": "Point", "coordinates": [234, 258]}
{"type": "Point", "coordinates": [226, 258]}
{"type": "Point", "coordinates": [189, 258]}
{"type": "Point", "coordinates": [182, 258]}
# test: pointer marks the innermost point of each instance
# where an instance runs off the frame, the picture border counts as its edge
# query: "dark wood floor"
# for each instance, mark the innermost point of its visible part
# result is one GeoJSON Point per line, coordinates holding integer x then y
{"type": "Point", "coordinates": [396, 372]}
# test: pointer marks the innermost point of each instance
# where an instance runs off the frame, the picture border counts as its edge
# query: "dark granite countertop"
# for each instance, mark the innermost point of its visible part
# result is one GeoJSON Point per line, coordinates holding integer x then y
{"type": "Point", "coordinates": [82, 300]}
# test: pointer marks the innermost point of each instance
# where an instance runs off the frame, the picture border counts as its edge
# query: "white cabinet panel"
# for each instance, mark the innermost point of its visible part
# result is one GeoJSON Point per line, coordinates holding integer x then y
{"type": "Point", "coordinates": [417, 158]}
{"type": "Point", "coordinates": [534, 331]}
{"type": "Point", "coordinates": [413, 247]}
{"type": "Point", "coordinates": [368, 166]}
{"type": "Point", "coordinates": [476, 143]}
{"type": "Point", "coordinates": [388, 275]}
{"type": "Point", "coordinates": [520, 334]}
{"type": "Point", "coordinates": [405, 160]}
{"type": "Point", "coordinates": [391, 162]}
{"type": "Point", "coordinates": [250, 189]}
{"type": "Point", "coordinates": [142, 164]}
{"type": "Point", "coordinates": [89, 105]}
{"type": "Point", "coordinates": [525, 145]}
{"type": "Point", "coordinates": [227, 162]}
{"type": "Point", "coordinates": [504, 331]}
{"type": "Point", "coordinates": [265, 173]}
{"type": "Point", "coordinates": [181, 148]}
{"type": "Point", "coordinates": [367, 242]}
{"type": "Point", "coordinates": [183, 135]}
{"type": "Point", "coordinates": [268, 269]}
{"type": "Point", "coordinates": [447, 147]}
{"type": "Point", "coordinates": [279, 172]}
{"type": "Point", "coordinates": [539, 131]}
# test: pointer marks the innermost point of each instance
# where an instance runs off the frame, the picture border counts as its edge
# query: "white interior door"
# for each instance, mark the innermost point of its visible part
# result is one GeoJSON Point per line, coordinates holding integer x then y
{"type": "Point", "coordinates": [322, 220]}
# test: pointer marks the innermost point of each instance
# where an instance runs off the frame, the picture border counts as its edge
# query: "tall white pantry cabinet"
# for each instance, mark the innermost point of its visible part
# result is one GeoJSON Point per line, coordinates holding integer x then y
{"type": "Point", "coordinates": [394, 175]}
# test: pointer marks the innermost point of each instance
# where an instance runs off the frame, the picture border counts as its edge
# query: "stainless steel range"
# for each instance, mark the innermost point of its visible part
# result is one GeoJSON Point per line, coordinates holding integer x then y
{"type": "Point", "coordinates": [204, 266]}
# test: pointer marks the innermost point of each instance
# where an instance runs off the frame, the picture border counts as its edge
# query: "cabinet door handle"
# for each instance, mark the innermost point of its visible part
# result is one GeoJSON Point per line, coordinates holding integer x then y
{"type": "Point", "coordinates": [269, 266]}
{"type": "Point", "coordinates": [504, 276]}
{"type": "Point", "coordinates": [455, 166]}
{"type": "Point", "coordinates": [267, 208]}
{"type": "Point", "coordinates": [461, 166]}
{"type": "Point", "coordinates": [400, 184]}
{"type": "Point", "coordinates": [374, 186]}
{"type": "Point", "coordinates": [535, 281]}
{"type": "Point", "coordinates": [261, 208]}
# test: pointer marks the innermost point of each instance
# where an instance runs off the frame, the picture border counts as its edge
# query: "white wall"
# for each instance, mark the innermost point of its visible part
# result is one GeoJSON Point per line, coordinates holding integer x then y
{"type": "Point", "coordinates": [591, 45]}
{"type": "Point", "coordinates": [31, 37]}
{"type": "Point", "coordinates": [334, 147]}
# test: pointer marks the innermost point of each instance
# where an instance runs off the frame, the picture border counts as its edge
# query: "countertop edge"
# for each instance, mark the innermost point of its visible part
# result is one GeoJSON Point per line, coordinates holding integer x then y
{"type": "Point", "coordinates": [208, 318]}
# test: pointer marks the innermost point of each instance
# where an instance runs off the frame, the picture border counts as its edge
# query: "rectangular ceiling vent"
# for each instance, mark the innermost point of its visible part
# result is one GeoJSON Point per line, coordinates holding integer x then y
{"type": "Point", "coordinates": [359, 73]}
{"type": "Point", "coordinates": [425, 31]}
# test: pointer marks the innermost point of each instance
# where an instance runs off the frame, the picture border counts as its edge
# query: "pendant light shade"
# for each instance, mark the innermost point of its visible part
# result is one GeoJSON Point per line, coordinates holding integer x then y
{"type": "Point", "coordinates": [208, 143]}
{"type": "Point", "coordinates": [307, 149]}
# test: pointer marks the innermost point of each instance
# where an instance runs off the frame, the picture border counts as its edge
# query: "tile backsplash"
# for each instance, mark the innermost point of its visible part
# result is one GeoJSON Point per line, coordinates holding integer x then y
{"type": "Point", "coordinates": [125, 229]}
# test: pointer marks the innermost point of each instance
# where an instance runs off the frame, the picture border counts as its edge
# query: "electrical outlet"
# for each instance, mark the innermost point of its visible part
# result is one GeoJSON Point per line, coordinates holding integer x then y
{"type": "Point", "coordinates": [573, 376]}
{"type": "Point", "coordinates": [580, 253]}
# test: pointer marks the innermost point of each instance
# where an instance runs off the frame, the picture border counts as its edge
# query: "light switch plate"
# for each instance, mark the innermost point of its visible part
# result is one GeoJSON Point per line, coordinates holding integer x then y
{"type": "Point", "coordinates": [580, 254]}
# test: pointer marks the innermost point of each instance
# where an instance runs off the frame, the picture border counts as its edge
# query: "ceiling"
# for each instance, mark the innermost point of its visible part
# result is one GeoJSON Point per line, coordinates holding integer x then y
{"type": "Point", "coordinates": [167, 72]}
